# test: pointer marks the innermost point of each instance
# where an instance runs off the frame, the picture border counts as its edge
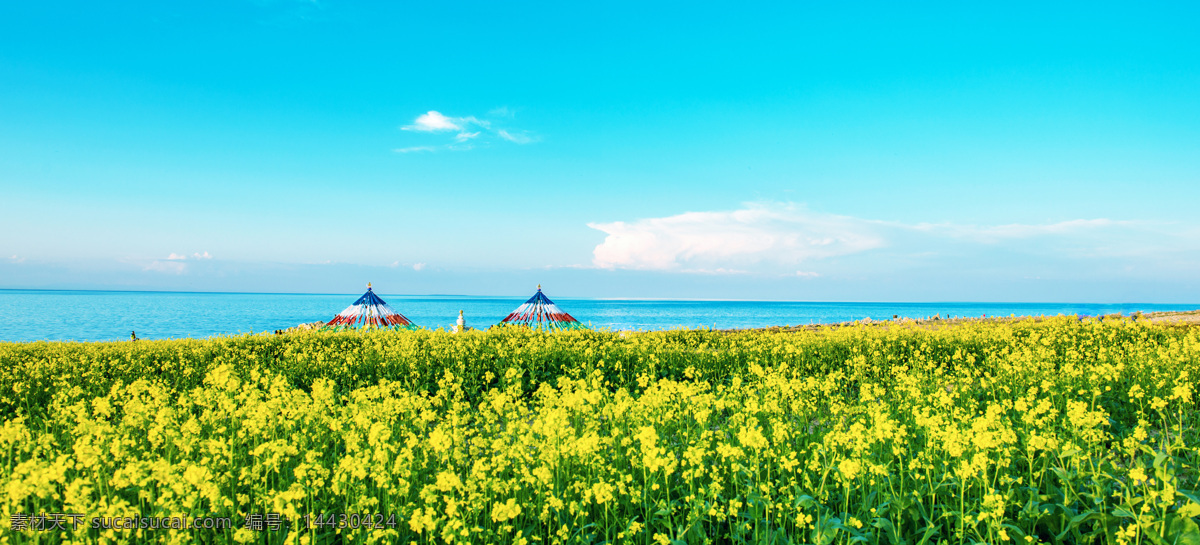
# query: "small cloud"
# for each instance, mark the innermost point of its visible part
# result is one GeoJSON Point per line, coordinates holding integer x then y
{"type": "Point", "coordinates": [419, 267]}
{"type": "Point", "coordinates": [467, 129]}
{"type": "Point", "coordinates": [433, 121]}
{"type": "Point", "coordinates": [807, 274]}
{"type": "Point", "coordinates": [394, 264]}
{"type": "Point", "coordinates": [514, 138]}
{"type": "Point", "coordinates": [415, 149]}
{"type": "Point", "coordinates": [168, 267]}
{"type": "Point", "coordinates": [204, 255]}
{"type": "Point", "coordinates": [176, 257]}
{"type": "Point", "coordinates": [997, 233]}
{"type": "Point", "coordinates": [17, 259]}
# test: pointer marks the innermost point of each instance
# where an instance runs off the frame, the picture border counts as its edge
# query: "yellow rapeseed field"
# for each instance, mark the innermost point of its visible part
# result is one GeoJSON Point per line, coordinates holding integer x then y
{"type": "Point", "coordinates": [1051, 431]}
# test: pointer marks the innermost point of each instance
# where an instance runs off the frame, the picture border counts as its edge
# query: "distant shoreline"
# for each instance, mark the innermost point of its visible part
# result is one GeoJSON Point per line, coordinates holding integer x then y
{"type": "Point", "coordinates": [604, 299]}
{"type": "Point", "coordinates": [1179, 317]}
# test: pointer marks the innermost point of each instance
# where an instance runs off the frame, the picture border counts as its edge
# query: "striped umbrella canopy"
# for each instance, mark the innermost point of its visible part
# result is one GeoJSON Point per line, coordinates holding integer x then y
{"type": "Point", "coordinates": [370, 311]}
{"type": "Point", "coordinates": [539, 311]}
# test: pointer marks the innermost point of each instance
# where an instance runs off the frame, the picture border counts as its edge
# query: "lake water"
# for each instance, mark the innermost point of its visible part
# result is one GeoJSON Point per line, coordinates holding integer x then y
{"type": "Point", "coordinates": [30, 315]}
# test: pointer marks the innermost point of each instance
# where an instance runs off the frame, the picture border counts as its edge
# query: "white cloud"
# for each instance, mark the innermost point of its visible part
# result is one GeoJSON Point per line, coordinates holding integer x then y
{"type": "Point", "coordinates": [433, 121]}
{"type": "Point", "coordinates": [709, 241]}
{"type": "Point", "coordinates": [415, 149]}
{"type": "Point", "coordinates": [466, 128]}
{"type": "Point", "coordinates": [419, 267]}
{"type": "Point", "coordinates": [173, 263]}
{"type": "Point", "coordinates": [514, 138]}
{"type": "Point", "coordinates": [168, 267]}
{"type": "Point", "coordinates": [997, 233]}
{"type": "Point", "coordinates": [772, 238]}
{"type": "Point", "coordinates": [17, 259]}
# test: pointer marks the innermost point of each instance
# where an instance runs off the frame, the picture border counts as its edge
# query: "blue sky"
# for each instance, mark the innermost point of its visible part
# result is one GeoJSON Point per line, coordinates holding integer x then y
{"type": "Point", "coordinates": [863, 151]}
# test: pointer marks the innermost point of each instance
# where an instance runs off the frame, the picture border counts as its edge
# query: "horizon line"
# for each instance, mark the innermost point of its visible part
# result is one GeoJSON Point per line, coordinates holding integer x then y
{"type": "Point", "coordinates": [707, 300]}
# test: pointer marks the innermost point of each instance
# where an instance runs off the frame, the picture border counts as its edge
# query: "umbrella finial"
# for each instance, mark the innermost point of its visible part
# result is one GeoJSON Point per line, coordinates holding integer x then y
{"type": "Point", "coordinates": [539, 287]}
{"type": "Point", "coordinates": [368, 286]}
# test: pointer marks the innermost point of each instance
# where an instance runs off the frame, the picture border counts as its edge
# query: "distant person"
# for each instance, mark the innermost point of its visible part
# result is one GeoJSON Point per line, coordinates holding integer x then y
{"type": "Point", "coordinates": [132, 335]}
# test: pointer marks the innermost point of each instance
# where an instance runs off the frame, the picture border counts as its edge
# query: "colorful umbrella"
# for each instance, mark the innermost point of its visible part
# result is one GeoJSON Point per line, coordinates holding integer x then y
{"type": "Point", "coordinates": [539, 311]}
{"type": "Point", "coordinates": [370, 311]}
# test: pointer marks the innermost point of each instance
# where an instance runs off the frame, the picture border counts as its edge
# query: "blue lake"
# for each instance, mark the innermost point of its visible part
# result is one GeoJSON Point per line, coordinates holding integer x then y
{"type": "Point", "coordinates": [30, 315]}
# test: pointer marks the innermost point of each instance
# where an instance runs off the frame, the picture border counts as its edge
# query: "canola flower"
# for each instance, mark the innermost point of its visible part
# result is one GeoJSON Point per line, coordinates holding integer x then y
{"type": "Point", "coordinates": [1055, 431]}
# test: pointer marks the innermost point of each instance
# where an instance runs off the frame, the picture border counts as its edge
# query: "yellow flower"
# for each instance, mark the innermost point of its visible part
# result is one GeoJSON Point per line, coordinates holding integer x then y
{"type": "Point", "coordinates": [849, 469]}
{"type": "Point", "coordinates": [509, 510]}
{"type": "Point", "coordinates": [1182, 392]}
{"type": "Point", "coordinates": [448, 481]}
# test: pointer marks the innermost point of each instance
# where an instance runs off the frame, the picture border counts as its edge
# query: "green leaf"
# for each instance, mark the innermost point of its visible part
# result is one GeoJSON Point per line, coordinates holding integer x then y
{"type": "Point", "coordinates": [825, 531]}
{"type": "Point", "coordinates": [1123, 513]}
{"type": "Point", "coordinates": [1078, 520]}
{"type": "Point", "coordinates": [1015, 530]}
{"type": "Point", "coordinates": [886, 526]}
{"type": "Point", "coordinates": [1182, 530]}
{"type": "Point", "coordinates": [930, 532]}
{"type": "Point", "coordinates": [1191, 495]}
